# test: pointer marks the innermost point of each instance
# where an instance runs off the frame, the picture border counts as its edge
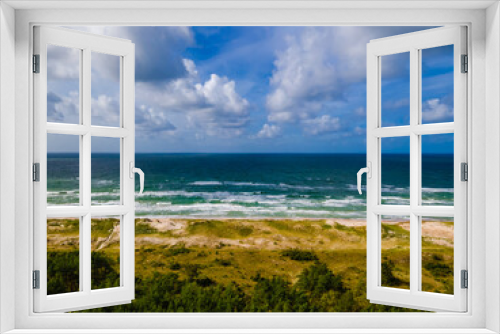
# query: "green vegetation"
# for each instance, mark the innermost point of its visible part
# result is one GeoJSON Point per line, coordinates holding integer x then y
{"type": "Point", "coordinates": [231, 265]}
{"type": "Point", "coordinates": [318, 289]}
{"type": "Point", "coordinates": [299, 255]}
{"type": "Point", "coordinates": [62, 272]}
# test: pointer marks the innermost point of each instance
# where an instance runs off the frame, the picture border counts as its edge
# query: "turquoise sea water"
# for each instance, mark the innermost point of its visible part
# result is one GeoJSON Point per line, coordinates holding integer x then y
{"type": "Point", "coordinates": [250, 185]}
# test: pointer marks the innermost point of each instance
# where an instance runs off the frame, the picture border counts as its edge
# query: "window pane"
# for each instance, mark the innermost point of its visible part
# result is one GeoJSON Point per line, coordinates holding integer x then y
{"type": "Point", "coordinates": [105, 171]}
{"type": "Point", "coordinates": [395, 259]}
{"type": "Point", "coordinates": [105, 233]}
{"type": "Point", "coordinates": [395, 172]}
{"type": "Point", "coordinates": [437, 169]}
{"type": "Point", "coordinates": [437, 254]}
{"type": "Point", "coordinates": [105, 90]}
{"type": "Point", "coordinates": [63, 169]}
{"type": "Point", "coordinates": [395, 89]}
{"type": "Point", "coordinates": [63, 84]}
{"type": "Point", "coordinates": [63, 255]}
{"type": "Point", "coordinates": [437, 84]}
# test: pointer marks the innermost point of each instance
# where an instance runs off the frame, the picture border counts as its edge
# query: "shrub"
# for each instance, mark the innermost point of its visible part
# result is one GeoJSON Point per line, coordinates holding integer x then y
{"type": "Point", "coordinates": [299, 255]}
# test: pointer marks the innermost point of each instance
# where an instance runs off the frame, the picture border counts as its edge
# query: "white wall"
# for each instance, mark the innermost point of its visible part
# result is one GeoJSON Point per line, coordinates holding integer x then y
{"type": "Point", "coordinates": [492, 149]}
{"type": "Point", "coordinates": [7, 160]}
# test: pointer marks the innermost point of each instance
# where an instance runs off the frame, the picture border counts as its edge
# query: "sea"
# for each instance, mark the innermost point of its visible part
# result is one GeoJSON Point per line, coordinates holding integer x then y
{"type": "Point", "coordinates": [249, 185]}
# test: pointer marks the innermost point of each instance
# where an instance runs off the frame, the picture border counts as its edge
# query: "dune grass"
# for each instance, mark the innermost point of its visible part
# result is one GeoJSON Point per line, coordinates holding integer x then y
{"type": "Point", "coordinates": [237, 260]}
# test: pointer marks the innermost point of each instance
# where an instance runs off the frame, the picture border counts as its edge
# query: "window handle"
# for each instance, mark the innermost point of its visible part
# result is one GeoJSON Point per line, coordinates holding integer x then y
{"type": "Point", "coordinates": [368, 171]}
{"type": "Point", "coordinates": [134, 170]}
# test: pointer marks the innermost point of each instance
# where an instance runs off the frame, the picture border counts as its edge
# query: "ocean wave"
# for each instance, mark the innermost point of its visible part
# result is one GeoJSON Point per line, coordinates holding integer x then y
{"type": "Point", "coordinates": [103, 182]}
{"type": "Point", "coordinates": [225, 209]}
{"type": "Point", "coordinates": [395, 200]}
{"type": "Point", "coordinates": [253, 184]}
{"type": "Point", "coordinates": [348, 201]}
{"type": "Point", "coordinates": [249, 184]}
{"type": "Point", "coordinates": [63, 193]}
{"type": "Point", "coordinates": [206, 183]}
{"type": "Point", "coordinates": [437, 202]}
{"type": "Point", "coordinates": [438, 190]}
{"type": "Point", "coordinates": [394, 189]}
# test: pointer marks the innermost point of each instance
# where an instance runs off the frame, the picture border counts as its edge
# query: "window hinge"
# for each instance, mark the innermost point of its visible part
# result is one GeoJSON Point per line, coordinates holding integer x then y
{"type": "Point", "coordinates": [464, 170]}
{"type": "Point", "coordinates": [36, 172]}
{"type": "Point", "coordinates": [36, 63]}
{"type": "Point", "coordinates": [465, 279]}
{"type": "Point", "coordinates": [465, 64]}
{"type": "Point", "coordinates": [36, 279]}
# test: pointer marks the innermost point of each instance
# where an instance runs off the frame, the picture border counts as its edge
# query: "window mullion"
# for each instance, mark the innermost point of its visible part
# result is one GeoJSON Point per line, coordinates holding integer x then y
{"type": "Point", "coordinates": [414, 172]}
{"type": "Point", "coordinates": [85, 181]}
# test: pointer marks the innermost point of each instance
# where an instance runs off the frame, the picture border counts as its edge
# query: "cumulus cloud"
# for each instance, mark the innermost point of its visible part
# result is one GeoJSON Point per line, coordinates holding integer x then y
{"type": "Point", "coordinates": [150, 122]}
{"type": "Point", "coordinates": [269, 131]}
{"type": "Point", "coordinates": [304, 74]}
{"type": "Point", "coordinates": [434, 110]}
{"type": "Point", "coordinates": [63, 63]}
{"type": "Point", "coordinates": [213, 105]}
{"type": "Point", "coordinates": [321, 125]}
{"type": "Point", "coordinates": [313, 73]}
{"type": "Point", "coordinates": [158, 51]}
{"type": "Point", "coordinates": [105, 111]}
{"type": "Point", "coordinates": [63, 109]}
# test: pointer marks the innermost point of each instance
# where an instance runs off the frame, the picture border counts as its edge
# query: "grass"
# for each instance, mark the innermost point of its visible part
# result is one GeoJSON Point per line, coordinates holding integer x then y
{"type": "Point", "coordinates": [243, 256]}
{"type": "Point", "coordinates": [300, 255]}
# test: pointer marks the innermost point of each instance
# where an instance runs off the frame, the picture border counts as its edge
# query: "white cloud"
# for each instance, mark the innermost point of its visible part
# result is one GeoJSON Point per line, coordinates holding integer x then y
{"type": "Point", "coordinates": [361, 111]}
{"type": "Point", "coordinates": [391, 104]}
{"type": "Point", "coordinates": [321, 125]}
{"type": "Point", "coordinates": [359, 130]}
{"type": "Point", "coordinates": [434, 110]}
{"type": "Point", "coordinates": [269, 131]}
{"type": "Point", "coordinates": [158, 51]}
{"type": "Point", "coordinates": [304, 73]}
{"type": "Point", "coordinates": [63, 108]}
{"type": "Point", "coordinates": [63, 63]}
{"type": "Point", "coordinates": [105, 111]}
{"type": "Point", "coordinates": [213, 106]}
{"type": "Point", "coordinates": [150, 121]}
{"type": "Point", "coordinates": [316, 68]}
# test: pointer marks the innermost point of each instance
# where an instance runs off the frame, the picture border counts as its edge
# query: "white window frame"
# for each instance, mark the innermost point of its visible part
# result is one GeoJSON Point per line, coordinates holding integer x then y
{"type": "Point", "coordinates": [413, 44]}
{"type": "Point", "coordinates": [86, 43]}
{"type": "Point", "coordinates": [484, 48]}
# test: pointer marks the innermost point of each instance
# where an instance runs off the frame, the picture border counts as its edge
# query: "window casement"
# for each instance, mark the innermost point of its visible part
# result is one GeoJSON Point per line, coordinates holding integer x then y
{"type": "Point", "coordinates": [417, 131]}
{"type": "Point", "coordinates": [83, 132]}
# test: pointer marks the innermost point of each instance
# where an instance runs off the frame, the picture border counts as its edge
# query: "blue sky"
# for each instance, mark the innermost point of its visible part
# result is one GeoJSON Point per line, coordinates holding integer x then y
{"type": "Point", "coordinates": [252, 89]}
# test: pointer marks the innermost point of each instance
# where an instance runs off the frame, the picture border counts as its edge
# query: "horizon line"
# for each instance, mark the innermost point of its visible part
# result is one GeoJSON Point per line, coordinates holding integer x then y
{"type": "Point", "coordinates": [248, 153]}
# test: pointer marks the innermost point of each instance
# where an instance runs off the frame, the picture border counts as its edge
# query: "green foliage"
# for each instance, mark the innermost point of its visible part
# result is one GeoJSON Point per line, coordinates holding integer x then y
{"type": "Point", "coordinates": [63, 272]}
{"type": "Point", "coordinates": [388, 278]}
{"type": "Point", "coordinates": [317, 290]}
{"type": "Point", "coordinates": [217, 276]}
{"type": "Point", "coordinates": [175, 266]}
{"type": "Point", "coordinates": [68, 226]}
{"type": "Point", "coordinates": [442, 271]}
{"type": "Point", "coordinates": [223, 262]}
{"type": "Point", "coordinates": [174, 251]}
{"type": "Point", "coordinates": [394, 231]}
{"type": "Point", "coordinates": [245, 231]}
{"type": "Point", "coordinates": [318, 279]}
{"type": "Point", "coordinates": [220, 229]}
{"type": "Point", "coordinates": [299, 255]}
{"type": "Point", "coordinates": [103, 273]}
{"type": "Point", "coordinates": [102, 227]}
{"type": "Point", "coordinates": [438, 268]}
